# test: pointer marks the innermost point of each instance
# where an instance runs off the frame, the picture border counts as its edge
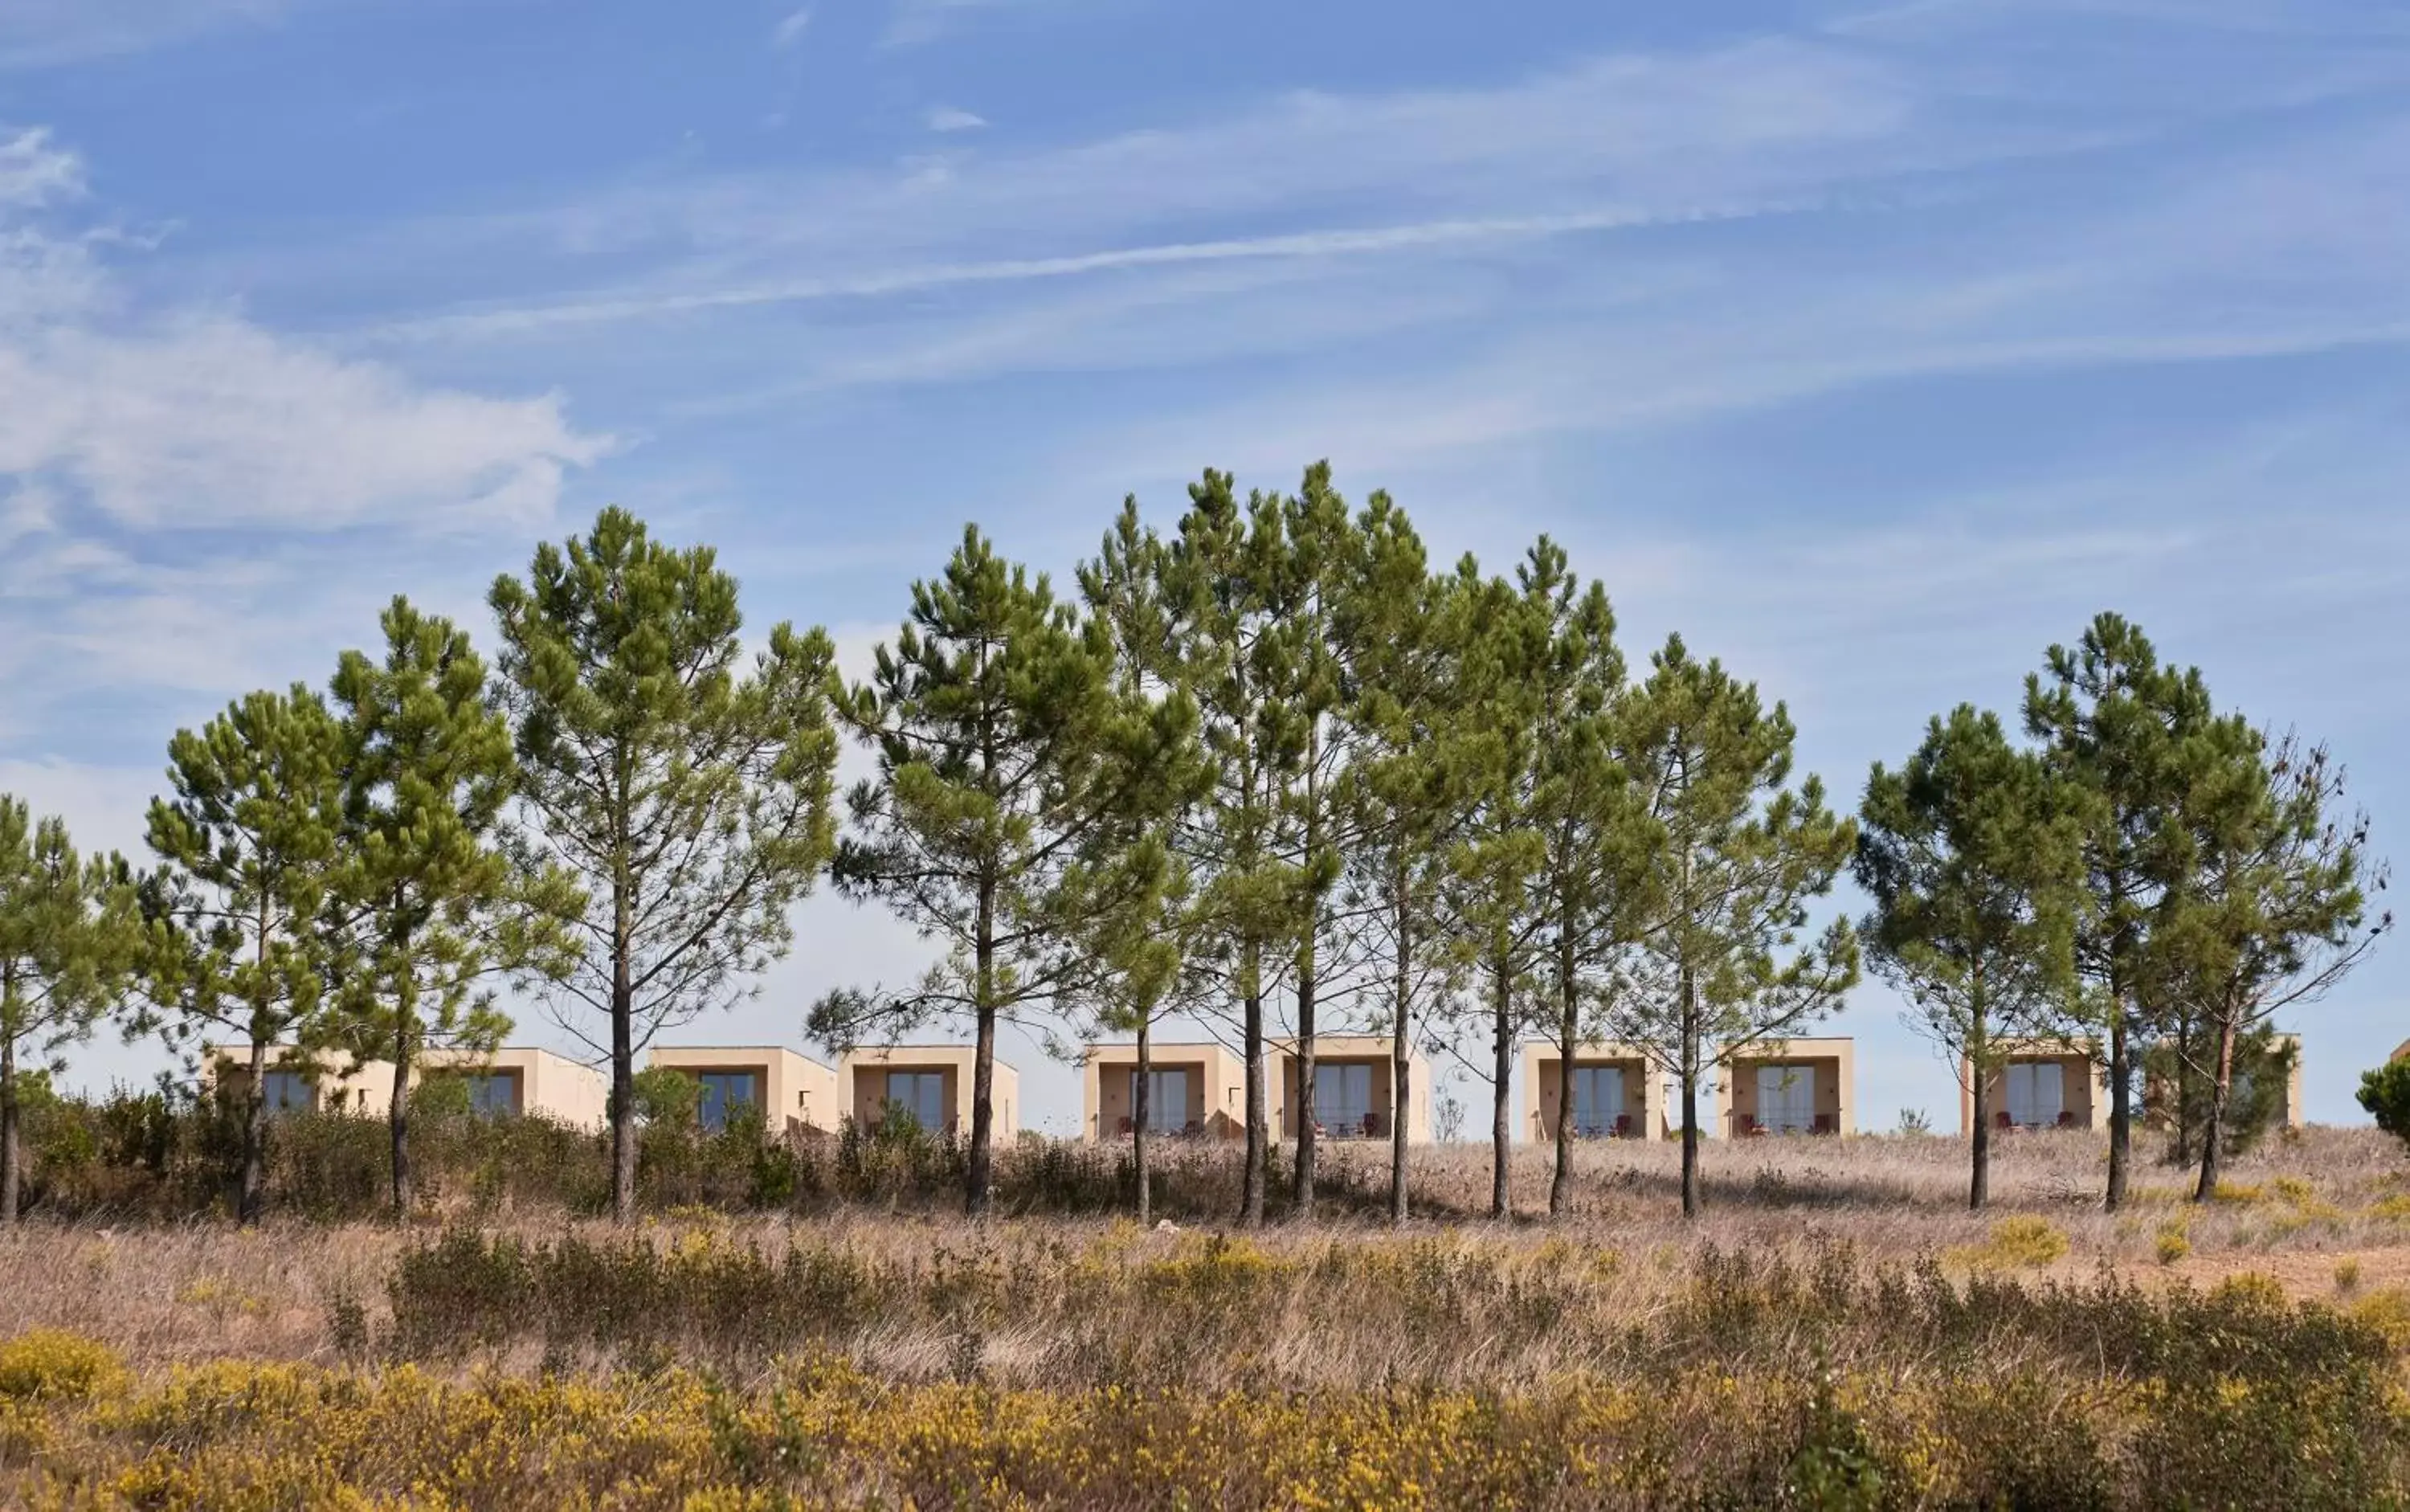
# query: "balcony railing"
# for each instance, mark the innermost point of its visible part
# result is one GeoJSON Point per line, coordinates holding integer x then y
{"type": "Point", "coordinates": [1745, 1126]}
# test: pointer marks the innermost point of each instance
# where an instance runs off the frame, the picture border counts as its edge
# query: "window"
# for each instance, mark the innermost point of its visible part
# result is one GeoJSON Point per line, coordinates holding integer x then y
{"type": "Point", "coordinates": [921, 1094]}
{"type": "Point", "coordinates": [289, 1091]}
{"type": "Point", "coordinates": [723, 1093]}
{"type": "Point", "coordinates": [1342, 1097]}
{"type": "Point", "coordinates": [1167, 1100]}
{"type": "Point", "coordinates": [2037, 1092]}
{"type": "Point", "coordinates": [1597, 1100]}
{"type": "Point", "coordinates": [1786, 1098]}
{"type": "Point", "coordinates": [494, 1094]}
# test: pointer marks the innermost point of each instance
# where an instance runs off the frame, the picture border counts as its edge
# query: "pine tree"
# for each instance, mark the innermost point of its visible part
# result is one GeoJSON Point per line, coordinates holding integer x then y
{"type": "Point", "coordinates": [1969, 854]}
{"type": "Point", "coordinates": [1140, 953]}
{"type": "Point", "coordinates": [251, 843]}
{"type": "Point", "coordinates": [687, 797]}
{"type": "Point", "coordinates": [2270, 912]}
{"type": "Point", "coordinates": [429, 900]}
{"type": "Point", "coordinates": [1304, 682]}
{"type": "Point", "coordinates": [2120, 733]}
{"type": "Point", "coordinates": [1592, 898]}
{"type": "Point", "coordinates": [1222, 575]}
{"type": "Point", "coordinates": [1742, 857]}
{"type": "Point", "coordinates": [1016, 786]}
{"type": "Point", "coordinates": [1499, 933]}
{"type": "Point", "coordinates": [1406, 792]}
{"type": "Point", "coordinates": [70, 942]}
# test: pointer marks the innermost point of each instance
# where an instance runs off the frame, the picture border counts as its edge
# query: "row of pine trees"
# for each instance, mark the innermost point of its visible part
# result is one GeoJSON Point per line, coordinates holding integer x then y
{"type": "Point", "coordinates": [1268, 760]}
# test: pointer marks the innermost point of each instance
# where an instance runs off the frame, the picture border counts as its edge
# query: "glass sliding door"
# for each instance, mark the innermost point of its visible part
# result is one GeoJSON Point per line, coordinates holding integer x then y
{"type": "Point", "coordinates": [1167, 1100]}
{"type": "Point", "coordinates": [1342, 1097]}
{"type": "Point", "coordinates": [2037, 1093]}
{"type": "Point", "coordinates": [1598, 1100]}
{"type": "Point", "coordinates": [921, 1094]}
{"type": "Point", "coordinates": [1786, 1098]}
{"type": "Point", "coordinates": [723, 1093]}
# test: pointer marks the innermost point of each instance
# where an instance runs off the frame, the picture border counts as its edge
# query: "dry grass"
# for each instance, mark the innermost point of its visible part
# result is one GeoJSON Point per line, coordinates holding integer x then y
{"type": "Point", "coordinates": [2300, 1211]}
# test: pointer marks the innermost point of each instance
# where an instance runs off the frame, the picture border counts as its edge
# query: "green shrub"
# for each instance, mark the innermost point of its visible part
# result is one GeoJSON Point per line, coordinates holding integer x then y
{"type": "Point", "coordinates": [2385, 1092]}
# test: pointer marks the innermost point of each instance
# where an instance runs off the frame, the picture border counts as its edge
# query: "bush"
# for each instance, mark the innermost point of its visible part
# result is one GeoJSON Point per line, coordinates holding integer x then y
{"type": "Point", "coordinates": [48, 1364]}
{"type": "Point", "coordinates": [2385, 1092]}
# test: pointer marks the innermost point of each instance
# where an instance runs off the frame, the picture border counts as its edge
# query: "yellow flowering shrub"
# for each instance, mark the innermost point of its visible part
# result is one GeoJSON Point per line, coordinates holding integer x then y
{"type": "Point", "coordinates": [48, 1364]}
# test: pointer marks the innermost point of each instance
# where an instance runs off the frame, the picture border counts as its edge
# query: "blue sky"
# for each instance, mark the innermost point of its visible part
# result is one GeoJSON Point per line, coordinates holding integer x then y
{"type": "Point", "coordinates": [1874, 347]}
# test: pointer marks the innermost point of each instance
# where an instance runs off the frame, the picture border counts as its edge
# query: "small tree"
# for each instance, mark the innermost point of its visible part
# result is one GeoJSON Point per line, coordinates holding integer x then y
{"type": "Point", "coordinates": [429, 901]}
{"type": "Point", "coordinates": [1969, 854]}
{"type": "Point", "coordinates": [251, 843]}
{"type": "Point", "coordinates": [686, 799]}
{"type": "Point", "coordinates": [2385, 1092]}
{"type": "Point", "coordinates": [1741, 857]}
{"type": "Point", "coordinates": [1015, 785]}
{"type": "Point", "coordinates": [70, 942]}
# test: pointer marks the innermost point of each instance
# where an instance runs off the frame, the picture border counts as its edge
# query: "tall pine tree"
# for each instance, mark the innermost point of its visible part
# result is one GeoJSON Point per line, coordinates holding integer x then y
{"type": "Point", "coordinates": [1016, 785]}
{"type": "Point", "coordinates": [686, 795]}
{"type": "Point", "coordinates": [251, 843]}
{"type": "Point", "coordinates": [2123, 735]}
{"type": "Point", "coordinates": [429, 901]}
{"type": "Point", "coordinates": [70, 942]}
{"type": "Point", "coordinates": [1969, 854]}
{"type": "Point", "coordinates": [1727, 958]}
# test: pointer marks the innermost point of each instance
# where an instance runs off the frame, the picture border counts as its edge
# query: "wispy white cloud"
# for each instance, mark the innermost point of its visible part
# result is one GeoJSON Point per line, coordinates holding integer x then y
{"type": "Point", "coordinates": [43, 33]}
{"type": "Point", "coordinates": [951, 117]}
{"type": "Point", "coordinates": [790, 28]}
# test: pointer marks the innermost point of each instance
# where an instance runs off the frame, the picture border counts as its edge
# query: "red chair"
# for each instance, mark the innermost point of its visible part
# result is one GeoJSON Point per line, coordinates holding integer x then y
{"type": "Point", "coordinates": [2065, 1118]}
{"type": "Point", "coordinates": [1624, 1125]}
{"type": "Point", "coordinates": [1127, 1128]}
{"type": "Point", "coordinates": [2003, 1120]}
{"type": "Point", "coordinates": [1826, 1124]}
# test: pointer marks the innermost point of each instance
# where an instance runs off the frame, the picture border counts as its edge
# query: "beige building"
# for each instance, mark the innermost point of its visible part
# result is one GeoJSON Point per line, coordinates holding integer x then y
{"type": "Point", "coordinates": [2038, 1083]}
{"type": "Point", "coordinates": [932, 1084]}
{"type": "Point", "coordinates": [521, 1080]}
{"type": "Point", "coordinates": [1354, 1091]}
{"type": "Point", "coordinates": [515, 1079]}
{"type": "Point", "coordinates": [1790, 1086]}
{"type": "Point", "coordinates": [788, 1092]}
{"type": "Point", "coordinates": [1197, 1088]}
{"type": "Point", "coordinates": [324, 1081]}
{"type": "Point", "coordinates": [1615, 1093]}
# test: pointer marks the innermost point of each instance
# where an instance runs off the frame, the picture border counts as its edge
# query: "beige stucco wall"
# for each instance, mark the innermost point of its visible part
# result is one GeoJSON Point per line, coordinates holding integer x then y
{"type": "Point", "coordinates": [2085, 1096]}
{"type": "Point", "coordinates": [1217, 1077]}
{"type": "Point", "coordinates": [799, 1094]}
{"type": "Point", "coordinates": [1543, 1082]}
{"type": "Point", "coordinates": [547, 1085]}
{"type": "Point", "coordinates": [1368, 1049]}
{"type": "Point", "coordinates": [1835, 1059]}
{"type": "Point", "coordinates": [862, 1078]}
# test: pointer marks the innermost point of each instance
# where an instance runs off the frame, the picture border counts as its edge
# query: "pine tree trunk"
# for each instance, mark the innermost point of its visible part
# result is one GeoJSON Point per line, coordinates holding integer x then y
{"type": "Point", "coordinates": [2220, 1091]}
{"type": "Point", "coordinates": [1142, 1108]}
{"type": "Point", "coordinates": [1400, 1088]}
{"type": "Point", "coordinates": [1501, 1128]}
{"type": "Point", "coordinates": [1568, 1032]}
{"type": "Point", "coordinates": [1979, 1184]}
{"type": "Point", "coordinates": [251, 1198]}
{"type": "Point", "coordinates": [1979, 1066]}
{"type": "Point", "coordinates": [2120, 1109]}
{"type": "Point", "coordinates": [11, 1156]}
{"type": "Point", "coordinates": [976, 1195]}
{"type": "Point", "coordinates": [398, 1115]}
{"type": "Point", "coordinates": [1301, 1185]}
{"type": "Point", "coordinates": [2183, 1091]}
{"type": "Point", "coordinates": [623, 1065]}
{"type": "Point", "coordinates": [1251, 1178]}
{"type": "Point", "coordinates": [1690, 1098]}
